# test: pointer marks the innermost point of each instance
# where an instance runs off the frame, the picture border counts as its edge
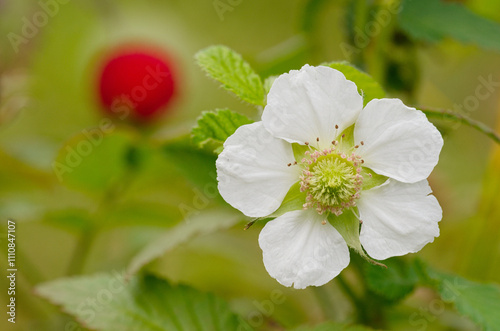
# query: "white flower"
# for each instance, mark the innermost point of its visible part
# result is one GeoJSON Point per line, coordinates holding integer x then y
{"type": "Point", "coordinates": [376, 169]}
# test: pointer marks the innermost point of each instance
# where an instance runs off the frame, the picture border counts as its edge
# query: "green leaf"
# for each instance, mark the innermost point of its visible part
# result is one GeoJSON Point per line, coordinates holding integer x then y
{"type": "Point", "coordinates": [196, 165]}
{"type": "Point", "coordinates": [196, 223]}
{"type": "Point", "coordinates": [142, 213]}
{"type": "Point", "coordinates": [236, 75]}
{"type": "Point", "coordinates": [329, 326]}
{"type": "Point", "coordinates": [372, 179]}
{"type": "Point", "coordinates": [294, 200]}
{"type": "Point", "coordinates": [299, 151]}
{"type": "Point", "coordinates": [394, 283]}
{"type": "Point", "coordinates": [214, 127]}
{"type": "Point", "coordinates": [92, 161]}
{"type": "Point", "coordinates": [348, 225]}
{"type": "Point", "coordinates": [367, 86]}
{"type": "Point", "coordinates": [346, 137]}
{"type": "Point", "coordinates": [479, 302]}
{"type": "Point", "coordinates": [433, 20]}
{"type": "Point", "coordinates": [107, 302]}
{"type": "Point", "coordinates": [268, 83]}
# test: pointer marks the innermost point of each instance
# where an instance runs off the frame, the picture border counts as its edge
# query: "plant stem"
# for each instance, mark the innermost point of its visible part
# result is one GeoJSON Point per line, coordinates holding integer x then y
{"type": "Point", "coordinates": [447, 114]}
{"type": "Point", "coordinates": [88, 236]}
{"type": "Point", "coordinates": [82, 251]}
{"type": "Point", "coordinates": [324, 299]}
{"type": "Point", "coordinates": [371, 307]}
{"type": "Point", "coordinates": [355, 300]}
{"type": "Point", "coordinates": [30, 271]}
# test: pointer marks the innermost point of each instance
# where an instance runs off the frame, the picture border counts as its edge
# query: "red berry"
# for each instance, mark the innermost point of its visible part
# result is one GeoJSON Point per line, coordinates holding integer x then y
{"type": "Point", "coordinates": [136, 83]}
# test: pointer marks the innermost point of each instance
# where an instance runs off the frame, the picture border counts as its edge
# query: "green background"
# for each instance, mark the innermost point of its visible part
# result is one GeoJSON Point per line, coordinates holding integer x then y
{"type": "Point", "coordinates": [48, 97]}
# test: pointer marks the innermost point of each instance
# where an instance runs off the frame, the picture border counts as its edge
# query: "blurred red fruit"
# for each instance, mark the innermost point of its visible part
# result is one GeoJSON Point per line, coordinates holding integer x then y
{"type": "Point", "coordinates": [136, 84]}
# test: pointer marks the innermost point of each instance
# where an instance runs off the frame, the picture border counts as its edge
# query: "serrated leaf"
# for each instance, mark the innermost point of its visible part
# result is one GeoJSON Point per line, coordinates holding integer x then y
{"type": "Point", "coordinates": [235, 74]}
{"type": "Point", "coordinates": [433, 20]}
{"type": "Point", "coordinates": [367, 86]}
{"type": "Point", "coordinates": [479, 302]}
{"type": "Point", "coordinates": [394, 283]}
{"type": "Point", "coordinates": [196, 223]}
{"type": "Point", "coordinates": [106, 302]}
{"type": "Point", "coordinates": [214, 127]}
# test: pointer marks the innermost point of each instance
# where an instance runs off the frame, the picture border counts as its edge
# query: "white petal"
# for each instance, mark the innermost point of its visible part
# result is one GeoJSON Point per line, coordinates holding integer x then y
{"type": "Point", "coordinates": [299, 250]}
{"type": "Point", "coordinates": [399, 141]}
{"type": "Point", "coordinates": [253, 171]}
{"type": "Point", "coordinates": [398, 218]}
{"type": "Point", "coordinates": [306, 104]}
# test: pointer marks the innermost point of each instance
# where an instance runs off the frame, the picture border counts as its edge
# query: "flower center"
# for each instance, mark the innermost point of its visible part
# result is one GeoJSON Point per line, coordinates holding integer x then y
{"type": "Point", "coordinates": [332, 181]}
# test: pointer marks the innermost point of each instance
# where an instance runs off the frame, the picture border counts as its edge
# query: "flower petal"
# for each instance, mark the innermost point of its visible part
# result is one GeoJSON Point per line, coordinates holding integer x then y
{"type": "Point", "coordinates": [306, 104]}
{"type": "Point", "coordinates": [399, 141]}
{"type": "Point", "coordinates": [398, 218]}
{"type": "Point", "coordinates": [252, 170]}
{"type": "Point", "coordinates": [299, 250]}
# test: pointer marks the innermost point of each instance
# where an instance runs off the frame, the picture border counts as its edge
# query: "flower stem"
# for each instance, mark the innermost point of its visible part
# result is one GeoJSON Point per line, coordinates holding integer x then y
{"type": "Point", "coordinates": [447, 114]}
{"type": "Point", "coordinates": [30, 271]}
{"type": "Point", "coordinates": [355, 300]}
{"type": "Point", "coordinates": [88, 236]}
{"type": "Point", "coordinates": [82, 250]}
{"type": "Point", "coordinates": [325, 301]}
{"type": "Point", "coordinates": [371, 308]}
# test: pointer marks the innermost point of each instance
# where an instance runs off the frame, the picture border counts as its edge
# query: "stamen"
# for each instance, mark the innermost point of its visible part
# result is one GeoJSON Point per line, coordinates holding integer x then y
{"type": "Point", "coordinates": [289, 164]}
{"type": "Point", "coordinates": [332, 180]}
{"type": "Point", "coordinates": [362, 142]}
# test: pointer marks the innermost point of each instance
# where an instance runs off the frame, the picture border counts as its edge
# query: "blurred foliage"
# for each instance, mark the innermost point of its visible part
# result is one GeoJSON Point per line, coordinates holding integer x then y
{"type": "Point", "coordinates": [214, 127]}
{"type": "Point", "coordinates": [448, 20]}
{"type": "Point", "coordinates": [143, 303]}
{"type": "Point", "coordinates": [127, 199]}
{"type": "Point", "coordinates": [195, 224]}
{"type": "Point", "coordinates": [393, 283]}
{"type": "Point", "coordinates": [480, 302]}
